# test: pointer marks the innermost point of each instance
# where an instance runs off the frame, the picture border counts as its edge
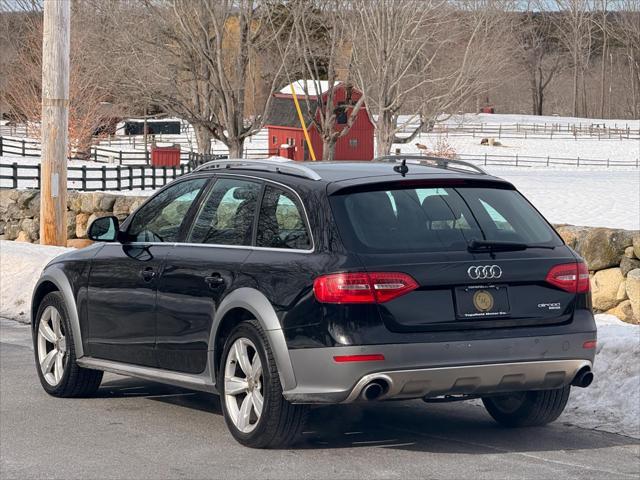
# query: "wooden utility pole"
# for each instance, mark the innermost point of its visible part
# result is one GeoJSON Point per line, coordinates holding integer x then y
{"type": "Point", "coordinates": [55, 120]}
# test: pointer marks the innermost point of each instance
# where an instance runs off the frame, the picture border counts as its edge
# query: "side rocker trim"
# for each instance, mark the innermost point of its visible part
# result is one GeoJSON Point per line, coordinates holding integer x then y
{"type": "Point", "coordinates": [200, 382]}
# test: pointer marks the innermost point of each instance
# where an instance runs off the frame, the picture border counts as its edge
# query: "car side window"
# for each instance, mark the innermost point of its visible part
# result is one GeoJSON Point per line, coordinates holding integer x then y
{"type": "Point", "coordinates": [226, 216]}
{"type": "Point", "coordinates": [281, 223]}
{"type": "Point", "coordinates": [160, 219]}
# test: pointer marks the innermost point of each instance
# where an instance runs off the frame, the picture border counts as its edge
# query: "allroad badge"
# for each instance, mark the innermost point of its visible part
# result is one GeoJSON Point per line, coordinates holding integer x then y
{"type": "Point", "coordinates": [484, 272]}
{"type": "Point", "coordinates": [483, 300]}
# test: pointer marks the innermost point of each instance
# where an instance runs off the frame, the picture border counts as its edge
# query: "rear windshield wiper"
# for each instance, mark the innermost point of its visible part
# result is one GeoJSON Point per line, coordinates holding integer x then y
{"type": "Point", "coordinates": [499, 246]}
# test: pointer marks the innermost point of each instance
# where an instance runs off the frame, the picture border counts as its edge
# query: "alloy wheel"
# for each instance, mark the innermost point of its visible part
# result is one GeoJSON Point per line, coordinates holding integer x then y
{"type": "Point", "coordinates": [243, 388]}
{"type": "Point", "coordinates": [52, 346]}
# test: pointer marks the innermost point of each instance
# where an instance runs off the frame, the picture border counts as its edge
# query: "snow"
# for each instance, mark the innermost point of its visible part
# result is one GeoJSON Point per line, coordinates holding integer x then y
{"type": "Point", "coordinates": [625, 150]}
{"type": "Point", "coordinates": [309, 86]}
{"type": "Point", "coordinates": [607, 198]}
{"type": "Point", "coordinates": [20, 268]}
{"type": "Point", "coordinates": [508, 118]}
{"type": "Point", "coordinates": [611, 403]}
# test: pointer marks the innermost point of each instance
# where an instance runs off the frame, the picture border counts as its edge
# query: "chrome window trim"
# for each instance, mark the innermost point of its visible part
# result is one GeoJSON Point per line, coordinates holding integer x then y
{"type": "Point", "coordinates": [217, 174]}
{"type": "Point", "coordinates": [216, 245]}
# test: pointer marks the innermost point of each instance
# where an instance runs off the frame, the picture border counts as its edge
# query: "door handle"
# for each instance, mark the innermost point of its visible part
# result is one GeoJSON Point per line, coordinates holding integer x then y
{"type": "Point", "coordinates": [148, 274]}
{"type": "Point", "coordinates": [215, 280]}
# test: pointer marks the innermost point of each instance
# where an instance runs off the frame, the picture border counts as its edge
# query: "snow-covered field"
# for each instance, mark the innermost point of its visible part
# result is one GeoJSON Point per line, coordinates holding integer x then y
{"type": "Point", "coordinates": [584, 148]}
{"type": "Point", "coordinates": [513, 118]}
{"type": "Point", "coordinates": [611, 403]}
{"type": "Point", "coordinates": [595, 198]}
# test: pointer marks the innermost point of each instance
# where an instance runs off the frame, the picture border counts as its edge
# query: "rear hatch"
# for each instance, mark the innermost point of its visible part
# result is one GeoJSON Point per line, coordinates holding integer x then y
{"type": "Point", "coordinates": [477, 255]}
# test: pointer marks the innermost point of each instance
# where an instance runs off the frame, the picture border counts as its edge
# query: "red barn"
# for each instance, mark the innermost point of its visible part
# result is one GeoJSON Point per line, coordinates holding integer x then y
{"type": "Point", "coordinates": [284, 126]}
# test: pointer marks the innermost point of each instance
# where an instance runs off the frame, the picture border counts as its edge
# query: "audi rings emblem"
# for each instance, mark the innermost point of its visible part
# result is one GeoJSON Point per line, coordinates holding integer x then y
{"type": "Point", "coordinates": [484, 272]}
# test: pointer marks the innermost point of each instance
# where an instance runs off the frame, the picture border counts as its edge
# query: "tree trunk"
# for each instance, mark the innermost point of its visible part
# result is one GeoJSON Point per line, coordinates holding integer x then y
{"type": "Point", "coordinates": [635, 82]}
{"type": "Point", "coordinates": [328, 149]}
{"type": "Point", "coordinates": [203, 139]}
{"type": "Point", "coordinates": [539, 102]}
{"type": "Point", "coordinates": [383, 146]}
{"type": "Point", "coordinates": [535, 96]}
{"type": "Point", "coordinates": [384, 135]}
{"type": "Point", "coordinates": [236, 148]}
{"type": "Point", "coordinates": [575, 84]}
{"type": "Point", "coordinates": [603, 73]}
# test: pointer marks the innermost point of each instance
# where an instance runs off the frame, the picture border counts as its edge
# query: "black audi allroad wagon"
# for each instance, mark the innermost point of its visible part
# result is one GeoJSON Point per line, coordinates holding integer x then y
{"type": "Point", "coordinates": [280, 285]}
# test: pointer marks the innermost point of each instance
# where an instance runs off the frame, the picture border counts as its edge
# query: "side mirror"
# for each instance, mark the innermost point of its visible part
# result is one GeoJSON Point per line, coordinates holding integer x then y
{"type": "Point", "coordinates": [104, 229]}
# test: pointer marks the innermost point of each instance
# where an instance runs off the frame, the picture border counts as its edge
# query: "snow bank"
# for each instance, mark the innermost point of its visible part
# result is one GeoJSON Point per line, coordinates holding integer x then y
{"type": "Point", "coordinates": [20, 267]}
{"type": "Point", "coordinates": [611, 403]}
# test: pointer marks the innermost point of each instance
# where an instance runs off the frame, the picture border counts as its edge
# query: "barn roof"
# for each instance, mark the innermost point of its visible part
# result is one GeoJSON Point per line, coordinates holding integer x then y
{"type": "Point", "coordinates": [310, 86]}
{"type": "Point", "coordinates": [282, 112]}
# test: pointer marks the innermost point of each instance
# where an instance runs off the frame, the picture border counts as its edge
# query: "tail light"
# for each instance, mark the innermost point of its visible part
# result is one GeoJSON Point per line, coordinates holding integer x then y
{"type": "Point", "coordinates": [375, 287]}
{"type": "Point", "coordinates": [570, 277]}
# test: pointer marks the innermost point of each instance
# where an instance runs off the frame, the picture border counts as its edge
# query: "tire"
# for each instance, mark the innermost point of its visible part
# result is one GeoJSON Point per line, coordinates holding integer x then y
{"type": "Point", "coordinates": [279, 422]}
{"type": "Point", "coordinates": [527, 409]}
{"type": "Point", "coordinates": [64, 378]}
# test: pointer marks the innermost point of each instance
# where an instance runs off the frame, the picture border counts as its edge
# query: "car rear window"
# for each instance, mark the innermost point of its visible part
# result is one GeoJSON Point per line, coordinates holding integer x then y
{"type": "Point", "coordinates": [437, 219]}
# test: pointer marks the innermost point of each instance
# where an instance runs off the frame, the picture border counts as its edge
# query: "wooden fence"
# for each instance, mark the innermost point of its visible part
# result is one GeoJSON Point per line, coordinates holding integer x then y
{"type": "Point", "coordinates": [549, 131]}
{"type": "Point", "coordinates": [538, 131]}
{"type": "Point", "coordinates": [24, 147]}
{"type": "Point", "coordinates": [88, 178]}
{"type": "Point", "coordinates": [548, 161]}
{"type": "Point", "coordinates": [104, 177]}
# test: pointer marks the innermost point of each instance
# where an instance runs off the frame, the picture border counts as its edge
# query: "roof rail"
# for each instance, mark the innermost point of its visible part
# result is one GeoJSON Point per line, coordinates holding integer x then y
{"type": "Point", "coordinates": [278, 165]}
{"type": "Point", "coordinates": [438, 162]}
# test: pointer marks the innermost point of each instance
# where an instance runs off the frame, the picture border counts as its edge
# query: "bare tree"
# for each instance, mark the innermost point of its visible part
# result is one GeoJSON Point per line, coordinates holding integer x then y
{"type": "Point", "coordinates": [428, 56]}
{"type": "Point", "coordinates": [626, 31]}
{"type": "Point", "coordinates": [601, 21]}
{"type": "Point", "coordinates": [574, 25]}
{"type": "Point", "coordinates": [24, 76]}
{"type": "Point", "coordinates": [208, 62]}
{"type": "Point", "coordinates": [537, 51]}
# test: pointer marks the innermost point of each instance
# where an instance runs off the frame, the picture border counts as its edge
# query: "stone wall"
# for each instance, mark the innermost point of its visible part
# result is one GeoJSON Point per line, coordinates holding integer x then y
{"type": "Point", "coordinates": [20, 213]}
{"type": "Point", "coordinates": [613, 258]}
{"type": "Point", "coordinates": [613, 255]}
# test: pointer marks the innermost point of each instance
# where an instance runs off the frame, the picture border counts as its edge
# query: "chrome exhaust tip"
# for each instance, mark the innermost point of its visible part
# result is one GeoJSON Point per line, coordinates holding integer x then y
{"type": "Point", "coordinates": [583, 378]}
{"type": "Point", "coordinates": [374, 390]}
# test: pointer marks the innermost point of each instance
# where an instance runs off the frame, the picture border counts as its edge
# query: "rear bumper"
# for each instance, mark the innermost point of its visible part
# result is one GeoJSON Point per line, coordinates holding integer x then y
{"type": "Point", "coordinates": [435, 369]}
{"type": "Point", "coordinates": [472, 379]}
